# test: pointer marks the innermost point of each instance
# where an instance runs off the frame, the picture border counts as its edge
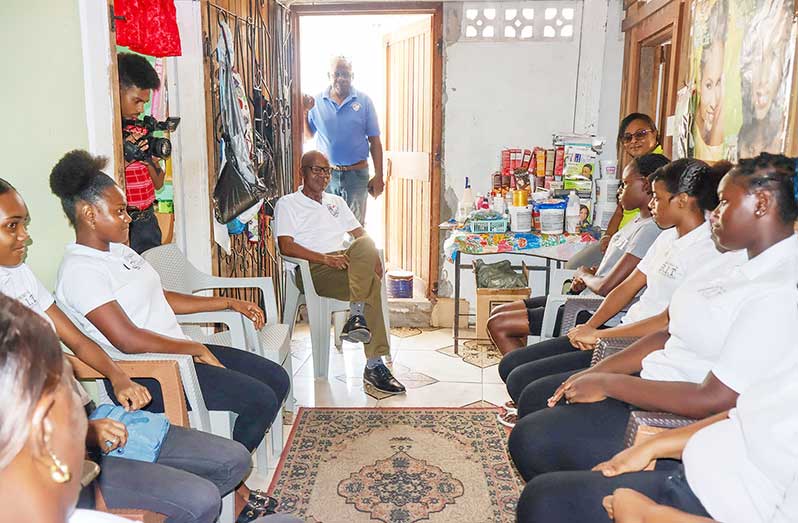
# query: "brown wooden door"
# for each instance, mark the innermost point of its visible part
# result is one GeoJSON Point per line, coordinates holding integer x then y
{"type": "Point", "coordinates": [410, 237]}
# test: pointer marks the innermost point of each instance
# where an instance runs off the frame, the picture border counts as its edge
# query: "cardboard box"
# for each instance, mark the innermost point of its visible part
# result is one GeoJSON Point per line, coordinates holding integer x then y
{"type": "Point", "coordinates": [489, 299]}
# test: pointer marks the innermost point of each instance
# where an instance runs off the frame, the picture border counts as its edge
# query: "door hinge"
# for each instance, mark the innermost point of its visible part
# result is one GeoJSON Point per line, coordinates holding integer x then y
{"type": "Point", "coordinates": [112, 18]}
{"type": "Point", "coordinates": [439, 46]}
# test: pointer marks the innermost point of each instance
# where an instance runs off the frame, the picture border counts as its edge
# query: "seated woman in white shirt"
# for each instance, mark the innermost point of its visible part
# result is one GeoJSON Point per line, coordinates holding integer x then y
{"type": "Point", "coordinates": [737, 467]}
{"type": "Point", "coordinates": [116, 298]}
{"type": "Point", "coordinates": [700, 371]}
{"type": "Point", "coordinates": [178, 485]}
{"type": "Point", "coordinates": [510, 324]}
{"type": "Point", "coordinates": [683, 192]}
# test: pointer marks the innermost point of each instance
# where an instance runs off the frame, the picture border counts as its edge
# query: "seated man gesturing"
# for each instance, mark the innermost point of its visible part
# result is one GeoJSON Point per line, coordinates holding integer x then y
{"type": "Point", "coordinates": [311, 224]}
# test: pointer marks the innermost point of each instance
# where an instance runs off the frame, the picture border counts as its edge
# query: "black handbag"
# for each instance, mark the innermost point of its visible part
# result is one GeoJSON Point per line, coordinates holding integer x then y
{"type": "Point", "coordinates": [233, 193]}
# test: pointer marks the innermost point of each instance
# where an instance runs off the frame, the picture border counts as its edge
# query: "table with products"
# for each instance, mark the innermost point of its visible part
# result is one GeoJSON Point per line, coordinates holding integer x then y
{"type": "Point", "coordinates": [556, 249]}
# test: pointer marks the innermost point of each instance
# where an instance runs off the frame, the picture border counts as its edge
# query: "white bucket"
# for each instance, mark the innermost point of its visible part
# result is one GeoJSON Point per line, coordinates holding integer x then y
{"type": "Point", "coordinates": [521, 218]}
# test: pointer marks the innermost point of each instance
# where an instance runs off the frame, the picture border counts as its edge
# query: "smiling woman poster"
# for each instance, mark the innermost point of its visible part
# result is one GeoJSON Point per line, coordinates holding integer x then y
{"type": "Point", "coordinates": [742, 54]}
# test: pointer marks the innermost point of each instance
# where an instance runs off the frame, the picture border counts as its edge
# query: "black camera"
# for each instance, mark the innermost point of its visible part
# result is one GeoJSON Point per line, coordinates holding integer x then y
{"type": "Point", "coordinates": [158, 147]}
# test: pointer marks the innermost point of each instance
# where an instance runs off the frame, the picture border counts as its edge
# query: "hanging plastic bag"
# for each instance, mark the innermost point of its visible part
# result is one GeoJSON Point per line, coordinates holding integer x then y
{"type": "Point", "coordinates": [238, 189]}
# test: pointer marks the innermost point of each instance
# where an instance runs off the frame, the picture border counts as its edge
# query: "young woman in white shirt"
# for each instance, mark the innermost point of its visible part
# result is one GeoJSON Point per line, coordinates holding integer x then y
{"type": "Point", "coordinates": [510, 324]}
{"type": "Point", "coordinates": [683, 192]}
{"type": "Point", "coordinates": [178, 484]}
{"type": "Point", "coordinates": [739, 466]}
{"type": "Point", "coordinates": [701, 369]}
{"type": "Point", "coordinates": [116, 298]}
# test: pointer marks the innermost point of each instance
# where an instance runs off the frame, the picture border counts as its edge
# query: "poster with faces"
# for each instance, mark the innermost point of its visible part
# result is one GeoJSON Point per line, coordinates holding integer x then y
{"type": "Point", "coordinates": [741, 65]}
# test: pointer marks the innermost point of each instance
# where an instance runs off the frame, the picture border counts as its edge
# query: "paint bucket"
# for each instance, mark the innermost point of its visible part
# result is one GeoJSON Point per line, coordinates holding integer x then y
{"type": "Point", "coordinates": [552, 216]}
{"type": "Point", "coordinates": [400, 284]}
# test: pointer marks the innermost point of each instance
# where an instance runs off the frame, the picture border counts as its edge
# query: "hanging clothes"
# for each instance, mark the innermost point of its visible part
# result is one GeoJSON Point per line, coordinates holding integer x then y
{"type": "Point", "coordinates": [149, 27]}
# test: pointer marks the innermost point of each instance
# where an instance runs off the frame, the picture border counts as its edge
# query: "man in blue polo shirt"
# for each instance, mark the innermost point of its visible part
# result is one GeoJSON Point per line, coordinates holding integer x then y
{"type": "Point", "coordinates": [345, 123]}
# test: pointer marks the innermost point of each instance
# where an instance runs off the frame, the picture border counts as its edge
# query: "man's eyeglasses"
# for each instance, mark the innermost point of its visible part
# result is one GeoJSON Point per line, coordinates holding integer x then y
{"type": "Point", "coordinates": [318, 169]}
{"type": "Point", "coordinates": [637, 135]}
{"type": "Point", "coordinates": [340, 74]}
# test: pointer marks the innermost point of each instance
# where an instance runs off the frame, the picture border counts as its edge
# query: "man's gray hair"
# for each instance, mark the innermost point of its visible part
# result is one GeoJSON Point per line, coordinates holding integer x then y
{"type": "Point", "coordinates": [337, 59]}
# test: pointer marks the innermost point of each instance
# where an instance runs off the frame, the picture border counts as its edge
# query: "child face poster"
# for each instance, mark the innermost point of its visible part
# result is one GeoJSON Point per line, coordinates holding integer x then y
{"type": "Point", "coordinates": [741, 58]}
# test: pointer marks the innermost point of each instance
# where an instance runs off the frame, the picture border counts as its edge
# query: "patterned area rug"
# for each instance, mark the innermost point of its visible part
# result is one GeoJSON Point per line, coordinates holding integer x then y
{"type": "Point", "coordinates": [397, 466]}
{"type": "Point", "coordinates": [479, 354]}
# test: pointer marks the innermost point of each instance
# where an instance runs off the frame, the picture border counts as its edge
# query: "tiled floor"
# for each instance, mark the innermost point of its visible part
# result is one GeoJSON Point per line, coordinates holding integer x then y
{"type": "Point", "coordinates": [432, 377]}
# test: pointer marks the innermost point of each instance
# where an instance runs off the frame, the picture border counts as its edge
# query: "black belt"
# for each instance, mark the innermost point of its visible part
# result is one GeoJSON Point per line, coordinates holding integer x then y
{"type": "Point", "coordinates": [362, 164]}
{"type": "Point", "coordinates": [133, 209]}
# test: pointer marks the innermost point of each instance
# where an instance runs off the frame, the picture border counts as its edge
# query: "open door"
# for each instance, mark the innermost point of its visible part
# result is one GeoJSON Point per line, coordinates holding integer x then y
{"type": "Point", "coordinates": [411, 237]}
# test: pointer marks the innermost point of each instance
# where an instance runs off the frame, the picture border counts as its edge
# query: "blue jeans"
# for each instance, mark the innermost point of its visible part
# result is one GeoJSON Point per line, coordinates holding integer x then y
{"type": "Point", "coordinates": [186, 483]}
{"type": "Point", "coordinates": [352, 186]}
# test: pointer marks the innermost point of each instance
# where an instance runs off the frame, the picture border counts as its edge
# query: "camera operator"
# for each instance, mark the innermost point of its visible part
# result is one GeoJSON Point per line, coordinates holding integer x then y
{"type": "Point", "coordinates": [137, 79]}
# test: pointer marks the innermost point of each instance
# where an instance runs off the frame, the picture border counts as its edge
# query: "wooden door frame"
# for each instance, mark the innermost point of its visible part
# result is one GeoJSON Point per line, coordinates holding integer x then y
{"type": "Point", "coordinates": [647, 23]}
{"type": "Point", "coordinates": [383, 8]}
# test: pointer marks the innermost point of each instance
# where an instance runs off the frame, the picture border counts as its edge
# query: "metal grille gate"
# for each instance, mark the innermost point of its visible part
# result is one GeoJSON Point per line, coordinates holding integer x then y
{"type": "Point", "coordinates": [261, 40]}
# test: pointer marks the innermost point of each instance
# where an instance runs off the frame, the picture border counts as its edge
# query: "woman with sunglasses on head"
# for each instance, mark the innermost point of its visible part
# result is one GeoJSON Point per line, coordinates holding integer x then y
{"type": "Point", "coordinates": [179, 484]}
{"type": "Point", "coordinates": [116, 298]}
{"type": "Point", "coordinates": [510, 327]}
{"type": "Point", "coordinates": [684, 191]}
{"type": "Point", "coordinates": [730, 325]}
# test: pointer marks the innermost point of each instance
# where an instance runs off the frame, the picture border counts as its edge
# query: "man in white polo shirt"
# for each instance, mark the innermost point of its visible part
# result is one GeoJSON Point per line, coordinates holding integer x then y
{"type": "Point", "coordinates": [312, 225]}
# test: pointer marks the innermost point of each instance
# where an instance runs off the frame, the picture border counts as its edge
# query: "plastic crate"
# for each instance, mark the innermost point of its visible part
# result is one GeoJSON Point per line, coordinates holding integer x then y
{"type": "Point", "coordinates": [488, 226]}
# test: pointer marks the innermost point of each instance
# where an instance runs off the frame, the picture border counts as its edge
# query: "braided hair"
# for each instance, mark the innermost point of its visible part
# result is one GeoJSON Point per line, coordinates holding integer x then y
{"type": "Point", "coordinates": [775, 173]}
{"type": "Point", "coordinates": [694, 178]}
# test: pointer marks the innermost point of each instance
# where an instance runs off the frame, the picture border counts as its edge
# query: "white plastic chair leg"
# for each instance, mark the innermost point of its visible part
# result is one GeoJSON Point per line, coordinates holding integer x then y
{"type": "Point", "coordinates": [339, 319]}
{"type": "Point", "coordinates": [319, 315]}
{"type": "Point", "coordinates": [292, 295]}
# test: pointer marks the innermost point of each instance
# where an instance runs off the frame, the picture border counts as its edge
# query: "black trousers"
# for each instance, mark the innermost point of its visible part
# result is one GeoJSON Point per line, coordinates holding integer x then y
{"type": "Point", "coordinates": [575, 497]}
{"type": "Point", "coordinates": [249, 385]}
{"type": "Point", "coordinates": [568, 437]}
{"type": "Point", "coordinates": [520, 368]}
{"type": "Point", "coordinates": [145, 233]}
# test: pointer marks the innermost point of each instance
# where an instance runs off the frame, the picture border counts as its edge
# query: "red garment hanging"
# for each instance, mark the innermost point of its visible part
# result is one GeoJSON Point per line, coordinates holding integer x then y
{"type": "Point", "coordinates": [149, 27]}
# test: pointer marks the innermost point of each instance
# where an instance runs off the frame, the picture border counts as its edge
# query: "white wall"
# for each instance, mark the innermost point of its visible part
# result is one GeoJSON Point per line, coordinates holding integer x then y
{"type": "Point", "coordinates": [516, 94]}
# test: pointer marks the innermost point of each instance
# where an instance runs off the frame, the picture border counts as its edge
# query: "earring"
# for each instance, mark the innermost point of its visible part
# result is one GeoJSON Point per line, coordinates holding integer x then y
{"type": "Point", "coordinates": [59, 472]}
{"type": "Point", "coordinates": [759, 213]}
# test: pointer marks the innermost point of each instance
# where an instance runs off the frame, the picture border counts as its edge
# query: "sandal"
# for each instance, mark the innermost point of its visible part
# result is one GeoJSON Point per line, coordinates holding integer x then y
{"type": "Point", "coordinates": [510, 407]}
{"type": "Point", "coordinates": [261, 500]}
{"type": "Point", "coordinates": [508, 419]}
{"type": "Point", "coordinates": [253, 511]}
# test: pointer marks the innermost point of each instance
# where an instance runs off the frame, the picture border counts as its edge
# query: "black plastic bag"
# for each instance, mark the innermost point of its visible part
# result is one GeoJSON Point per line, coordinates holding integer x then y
{"type": "Point", "coordinates": [233, 193]}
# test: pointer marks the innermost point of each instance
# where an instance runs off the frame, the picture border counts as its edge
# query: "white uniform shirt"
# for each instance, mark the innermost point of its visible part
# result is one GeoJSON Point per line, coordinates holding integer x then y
{"type": "Point", "coordinates": [666, 264]}
{"type": "Point", "coordinates": [745, 469]}
{"type": "Point", "coordinates": [635, 238]}
{"type": "Point", "coordinates": [320, 227]}
{"type": "Point", "coordinates": [705, 307]}
{"type": "Point", "coordinates": [89, 278]}
{"type": "Point", "coordinates": [93, 516]}
{"type": "Point", "coordinates": [21, 284]}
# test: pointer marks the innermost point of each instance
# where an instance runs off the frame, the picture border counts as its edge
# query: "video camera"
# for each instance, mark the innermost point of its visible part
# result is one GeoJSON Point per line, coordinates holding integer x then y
{"type": "Point", "coordinates": [158, 147]}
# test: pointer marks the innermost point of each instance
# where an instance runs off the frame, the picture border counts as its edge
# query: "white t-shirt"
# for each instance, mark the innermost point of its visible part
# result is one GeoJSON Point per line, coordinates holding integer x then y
{"type": "Point", "coordinates": [666, 264]}
{"type": "Point", "coordinates": [89, 278]}
{"type": "Point", "coordinates": [21, 284]}
{"type": "Point", "coordinates": [745, 469]}
{"type": "Point", "coordinates": [706, 307]}
{"type": "Point", "coordinates": [93, 516]}
{"type": "Point", "coordinates": [634, 238]}
{"type": "Point", "coordinates": [320, 227]}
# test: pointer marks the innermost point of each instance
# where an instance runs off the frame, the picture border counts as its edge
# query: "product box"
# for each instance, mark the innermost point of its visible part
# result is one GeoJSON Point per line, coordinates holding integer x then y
{"type": "Point", "coordinates": [540, 162]}
{"type": "Point", "coordinates": [559, 161]}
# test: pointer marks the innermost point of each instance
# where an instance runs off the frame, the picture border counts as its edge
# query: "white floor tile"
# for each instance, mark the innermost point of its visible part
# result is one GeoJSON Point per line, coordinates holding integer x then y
{"type": "Point", "coordinates": [331, 393]}
{"type": "Point", "coordinates": [436, 395]}
{"type": "Point", "coordinates": [491, 375]}
{"type": "Point", "coordinates": [439, 366]}
{"type": "Point", "coordinates": [496, 394]}
{"type": "Point", "coordinates": [428, 340]}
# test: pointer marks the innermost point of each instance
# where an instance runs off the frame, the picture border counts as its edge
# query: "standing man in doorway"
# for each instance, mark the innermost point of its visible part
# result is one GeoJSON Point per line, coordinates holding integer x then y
{"type": "Point", "coordinates": [137, 79]}
{"type": "Point", "coordinates": [346, 123]}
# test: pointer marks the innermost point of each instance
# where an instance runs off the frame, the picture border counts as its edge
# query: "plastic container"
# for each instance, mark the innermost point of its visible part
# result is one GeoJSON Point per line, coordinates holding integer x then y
{"type": "Point", "coordinates": [400, 284]}
{"type": "Point", "coordinates": [552, 216]}
{"type": "Point", "coordinates": [572, 214]}
{"type": "Point", "coordinates": [609, 169]}
{"type": "Point", "coordinates": [521, 218]}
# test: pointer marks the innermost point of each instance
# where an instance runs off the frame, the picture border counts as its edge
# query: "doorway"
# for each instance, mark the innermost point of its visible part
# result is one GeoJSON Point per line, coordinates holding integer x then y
{"type": "Point", "coordinates": [396, 61]}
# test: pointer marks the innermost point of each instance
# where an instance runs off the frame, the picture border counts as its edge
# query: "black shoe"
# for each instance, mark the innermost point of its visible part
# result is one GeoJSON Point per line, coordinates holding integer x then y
{"type": "Point", "coordinates": [356, 330]}
{"type": "Point", "coordinates": [381, 379]}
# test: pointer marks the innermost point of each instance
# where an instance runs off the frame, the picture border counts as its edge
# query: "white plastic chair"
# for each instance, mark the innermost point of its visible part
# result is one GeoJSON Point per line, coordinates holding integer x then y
{"type": "Point", "coordinates": [321, 312]}
{"type": "Point", "coordinates": [272, 342]}
{"type": "Point", "coordinates": [554, 300]}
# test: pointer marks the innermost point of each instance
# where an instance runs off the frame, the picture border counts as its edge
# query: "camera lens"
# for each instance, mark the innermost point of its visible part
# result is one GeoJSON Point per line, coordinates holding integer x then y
{"type": "Point", "coordinates": [161, 147]}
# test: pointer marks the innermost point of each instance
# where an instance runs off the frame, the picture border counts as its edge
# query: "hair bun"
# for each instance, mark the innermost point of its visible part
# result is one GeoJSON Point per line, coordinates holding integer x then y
{"type": "Point", "coordinates": [73, 173]}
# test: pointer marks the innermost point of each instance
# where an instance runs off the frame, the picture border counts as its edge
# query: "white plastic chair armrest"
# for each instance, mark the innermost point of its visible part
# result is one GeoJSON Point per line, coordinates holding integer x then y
{"type": "Point", "coordinates": [234, 321]}
{"type": "Point", "coordinates": [265, 285]}
{"type": "Point", "coordinates": [553, 303]}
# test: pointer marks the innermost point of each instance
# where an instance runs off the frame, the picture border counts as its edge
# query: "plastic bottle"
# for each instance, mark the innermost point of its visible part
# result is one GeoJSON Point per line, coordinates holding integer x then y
{"type": "Point", "coordinates": [572, 214]}
{"type": "Point", "coordinates": [468, 196]}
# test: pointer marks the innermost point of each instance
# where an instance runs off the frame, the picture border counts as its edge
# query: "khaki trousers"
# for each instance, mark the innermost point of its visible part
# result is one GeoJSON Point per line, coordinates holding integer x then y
{"type": "Point", "coordinates": [357, 283]}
